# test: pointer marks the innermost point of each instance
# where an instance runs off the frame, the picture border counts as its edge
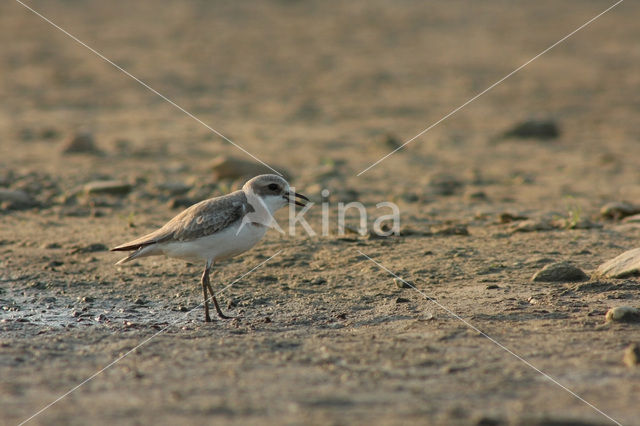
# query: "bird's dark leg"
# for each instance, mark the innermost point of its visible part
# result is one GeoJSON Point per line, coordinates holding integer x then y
{"type": "Point", "coordinates": [205, 280]}
{"type": "Point", "coordinates": [213, 296]}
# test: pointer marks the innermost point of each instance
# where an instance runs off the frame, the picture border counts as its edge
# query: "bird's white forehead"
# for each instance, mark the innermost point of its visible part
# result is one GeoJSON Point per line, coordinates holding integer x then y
{"type": "Point", "coordinates": [264, 180]}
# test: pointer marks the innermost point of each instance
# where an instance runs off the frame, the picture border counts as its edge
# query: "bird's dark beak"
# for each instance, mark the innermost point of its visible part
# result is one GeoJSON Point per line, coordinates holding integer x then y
{"type": "Point", "coordinates": [296, 195]}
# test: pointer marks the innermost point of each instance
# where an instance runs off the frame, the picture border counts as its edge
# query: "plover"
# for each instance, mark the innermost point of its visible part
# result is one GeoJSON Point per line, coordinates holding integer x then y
{"type": "Point", "coordinates": [217, 228]}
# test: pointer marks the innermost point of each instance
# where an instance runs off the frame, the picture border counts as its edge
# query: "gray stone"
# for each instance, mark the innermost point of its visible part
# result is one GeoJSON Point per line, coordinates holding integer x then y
{"type": "Point", "coordinates": [401, 284]}
{"type": "Point", "coordinates": [225, 167]}
{"type": "Point", "coordinates": [623, 314]}
{"type": "Point", "coordinates": [15, 199]}
{"type": "Point", "coordinates": [538, 129]}
{"type": "Point", "coordinates": [531, 226]}
{"type": "Point", "coordinates": [80, 143]}
{"type": "Point", "coordinates": [453, 230]}
{"type": "Point", "coordinates": [560, 272]}
{"type": "Point", "coordinates": [389, 141]}
{"type": "Point", "coordinates": [113, 187]}
{"type": "Point", "coordinates": [444, 184]}
{"type": "Point", "coordinates": [632, 219]}
{"type": "Point", "coordinates": [617, 210]}
{"type": "Point", "coordinates": [632, 355]}
{"type": "Point", "coordinates": [625, 265]}
{"type": "Point", "coordinates": [174, 187]}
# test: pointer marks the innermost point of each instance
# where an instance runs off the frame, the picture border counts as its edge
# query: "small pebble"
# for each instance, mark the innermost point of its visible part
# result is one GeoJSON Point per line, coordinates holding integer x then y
{"type": "Point", "coordinates": [625, 265]}
{"type": "Point", "coordinates": [617, 210]}
{"type": "Point", "coordinates": [226, 167]}
{"type": "Point", "coordinates": [81, 142]}
{"type": "Point", "coordinates": [174, 187]}
{"type": "Point", "coordinates": [632, 355]}
{"type": "Point", "coordinates": [444, 184]}
{"type": "Point", "coordinates": [538, 129]}
{"type": "Point", "coordinates": [389, 141]}
{"type": "Point", "coordinates": [112, 187]}
{"type": "Point", "coordinates": [400, 283]}
{"type": "Point", "coordinates": [623, 314]}
{"type": "Point", "coordinates": [402, 300]}
{"type": "Point", "coordinates": [453, 230]}
{"type": "Point", "coordinates": [531, 226]}
{"type": "Point", "coordinates": [15, 199]}
{"type": "Point", "coordinates": [559, 272]}
{"type": "Point", "coordinates": [632, 219]}
{"type": "Point", "coordinates": [91, 248]}
{"type": "Point", "coordinates": [508, 217]}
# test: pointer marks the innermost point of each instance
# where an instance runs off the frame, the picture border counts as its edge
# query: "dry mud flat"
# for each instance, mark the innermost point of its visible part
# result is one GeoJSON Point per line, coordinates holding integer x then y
{"type": "Point", "coordinates": [324, 335]}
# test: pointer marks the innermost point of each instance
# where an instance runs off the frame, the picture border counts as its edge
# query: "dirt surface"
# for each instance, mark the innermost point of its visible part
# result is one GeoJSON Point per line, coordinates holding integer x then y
{"type": "Point", "coordinates": [321, 89]}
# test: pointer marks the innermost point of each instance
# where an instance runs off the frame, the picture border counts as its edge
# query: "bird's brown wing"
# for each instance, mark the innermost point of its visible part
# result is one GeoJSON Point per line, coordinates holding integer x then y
{"type": "Point", "coordinates": [200, 220]}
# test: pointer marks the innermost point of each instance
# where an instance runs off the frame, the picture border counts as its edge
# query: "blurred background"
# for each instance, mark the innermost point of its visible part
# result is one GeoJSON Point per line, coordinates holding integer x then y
{"type": "Point", "coordinates": [306, 85]}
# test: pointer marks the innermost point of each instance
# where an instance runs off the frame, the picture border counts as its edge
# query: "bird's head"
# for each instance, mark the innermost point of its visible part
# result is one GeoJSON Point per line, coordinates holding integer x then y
{"type": "Point", "coordinates": [274, 192]}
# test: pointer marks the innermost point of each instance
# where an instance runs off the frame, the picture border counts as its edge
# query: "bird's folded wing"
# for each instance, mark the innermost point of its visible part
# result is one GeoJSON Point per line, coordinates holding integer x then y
{"type": "Point", "coordinates": [208, 217]}
{"type": "Point", "coordinates": [200, 220]}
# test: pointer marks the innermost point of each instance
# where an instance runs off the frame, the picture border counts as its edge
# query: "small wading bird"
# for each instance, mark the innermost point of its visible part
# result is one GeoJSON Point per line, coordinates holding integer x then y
{"type": "Point", "coordinates": [217, 228]}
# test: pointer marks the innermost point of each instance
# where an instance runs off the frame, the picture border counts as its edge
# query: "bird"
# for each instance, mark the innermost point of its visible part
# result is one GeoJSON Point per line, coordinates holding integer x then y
{"type": "Point", "coordinates": [217, 228]}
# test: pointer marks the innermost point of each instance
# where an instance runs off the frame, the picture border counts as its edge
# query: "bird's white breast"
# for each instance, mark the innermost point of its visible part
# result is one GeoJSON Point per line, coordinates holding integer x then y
{"type": "Point", "coordinates": [221, 245]}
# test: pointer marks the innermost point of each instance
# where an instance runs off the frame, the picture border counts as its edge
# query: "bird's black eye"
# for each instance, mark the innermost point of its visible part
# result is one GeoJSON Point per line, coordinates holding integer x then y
{"type": "Point", "coordinates": [273, 186]}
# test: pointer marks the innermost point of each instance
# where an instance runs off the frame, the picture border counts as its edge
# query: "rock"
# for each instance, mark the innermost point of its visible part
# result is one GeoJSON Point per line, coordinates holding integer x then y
{"type": "Point", "coordinates": [15, 199]}
{"type": "Point", "coordinates": [531, 226]}
{"type": "Point", "coordinates": [91, 248]}
{"type": "Point", "coordinates": [477, 195]}
{"type": "Point", "coordinates": [389, 141]}
{"type": "Point", "coordinates": [401, 284]}
{"type": "Point", "coordinates": [623, 314]}
{"type": "Point", "coordinates": [617, 210]}
{"type": "Point", "coordinates": [225, 167]}
{"type": "Point", "coordinates": [402, 300]}
{"type": "Point", "coordinates": [625, 265]}
{"type": "Point", "coordinates": [453, 230]}
{"type": "Point", "coordinates": [81, 142]}
{"type": "Point", "coordinates": [49, 133]}
{"type": "Point", "coordinates": [489, 421]}
{"type": "Point", "coordinates": [559, 272]}
{"type": "Point", "coordinates": [174, 187]}
{"type": "Point", "coordinates": [508, 217]}
{"type": "Point", "coordinates": [632, 219]}
{"type": "Point", "coordinates": [308, 110]}
{"type": "Point", "coordinates": [444, 184]}
{"type": "Point", "coordinates": [407, 231]}
{"type": "Point", "coordinates": [530, 129]}
{"type": "Point", "coordinates": [632, 355]}
{"type": "Point", "coordinates": [581, 223]}
{"type": "Point", "coordinates": [113, 187]}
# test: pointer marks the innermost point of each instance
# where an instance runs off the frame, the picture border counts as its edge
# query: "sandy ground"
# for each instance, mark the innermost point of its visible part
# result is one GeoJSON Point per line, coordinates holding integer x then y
{"type": "Point", "coordinates": [321, 89]}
